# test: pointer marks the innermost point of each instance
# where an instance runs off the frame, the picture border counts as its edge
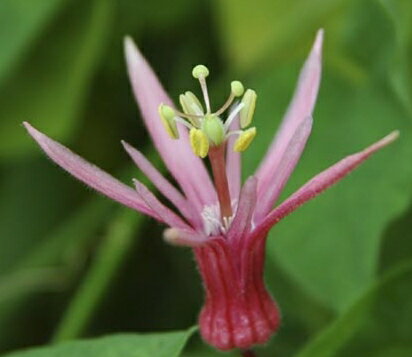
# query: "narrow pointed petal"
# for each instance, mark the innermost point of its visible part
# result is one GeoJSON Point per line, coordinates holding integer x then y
{"type": "Point", "coordinates": [163, 185]}
{"type": "Point", "coordinates": [323, 181]}
{"type": "Point", "coordinates": [269, 194]}
{"type": "Point", "coordinates": [243, 217]}
{"type": "Point", "coordinates": [89, 173]}
{"type": "Point", "coordinates": [188, 170]}
{"type": "Point", "coordinates": [185, 238]}
{"type": "Point", "coordinates": [301, 107]}
{"type": "Point", "coordinates": [233, 164]}
{"type": "Point", "coordinates": [165, 214]}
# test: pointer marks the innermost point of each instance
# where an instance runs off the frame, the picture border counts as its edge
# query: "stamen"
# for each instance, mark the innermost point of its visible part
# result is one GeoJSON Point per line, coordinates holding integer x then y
{"type": "Point", "coordinates": [183, 122]}
{"type": "Point", "coordinates": [208, 135]}
{"type": "Point", "coordinates": [167, 115]}
{"type": "Point", "coordinates": [200, 72]}
{"type": "Point", "coordinates": [199, 142]}
{"type": "Point", "coordinates": [244, 140]}
{"type": "Point", "coordinates": [191, 104]}
{"type": "Point", "coordinates": [237, 88]}
{"type": "Point", "coordinates": [234, 132]}
{"type": "Point", "coordinates": [191, 107]}
{"type": "Point", "coordinates": [246, 115]}
{"type": "Point", "coordinates": [226, 105]}
{"type": "Point", "coordinates": [233, 114]}
{"type": "Point", "coordinates": [203, 85]}
{"type": "Point", "coordinates": [188, 116]}
{"type": "Point", "coordinates": [236, 91]}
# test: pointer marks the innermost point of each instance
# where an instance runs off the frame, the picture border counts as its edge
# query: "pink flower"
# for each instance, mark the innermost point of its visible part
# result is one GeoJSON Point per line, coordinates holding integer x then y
{"type": "Point", "coordinates": [225, 224]}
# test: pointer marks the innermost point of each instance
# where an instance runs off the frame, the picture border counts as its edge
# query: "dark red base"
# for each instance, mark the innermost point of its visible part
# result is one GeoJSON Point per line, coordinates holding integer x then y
{"type": "Point", "coordinates": [238, 311]}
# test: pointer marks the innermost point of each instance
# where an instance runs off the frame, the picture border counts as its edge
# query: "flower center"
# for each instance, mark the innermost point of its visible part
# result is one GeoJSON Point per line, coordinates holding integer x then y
{"type": "Point", "coordinates": [212, 222]}
{"type": "Point", "coordinates": [208, 133]}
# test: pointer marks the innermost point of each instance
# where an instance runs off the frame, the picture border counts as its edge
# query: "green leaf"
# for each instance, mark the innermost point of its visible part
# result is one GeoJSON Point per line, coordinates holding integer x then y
{"type": "Point", "coordinates": [251, 33]}
{"type": "Point", "coordinates": [115, 245]}
{"type": "Point", "coordinates": [50, 87]}
{"type": "Point", "coordinates": [378, 324]}
{"type": "Point", "coordinates": [341, 229]}
{"type": "Point", "coordinates": [25, 185]}
{"type": "Point", "coordinates": [21, 22]}
{"type": "Point", "coordinates": [52, 264]}
{"type": "Point", "coordinates": [400, 13]}
{"type": "Point", "coordinates": [396, 246]}
{"type": "Point", "coordinates": [168, 344]}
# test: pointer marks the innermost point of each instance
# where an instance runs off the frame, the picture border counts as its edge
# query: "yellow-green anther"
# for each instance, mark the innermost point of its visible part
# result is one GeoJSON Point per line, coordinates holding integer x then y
{"type": "Point", "coordinates": [200, 71]}
{"type": "Point", "coordinates": [167, 115]}
{"type": "Point", "coordinates": [214, 129]}
{"type": "Point", "coordinates": [191, 106]}
{"type": "Point", "coordinates": [244, 140]}
{"type": "Point", "coordinates": [199, 142]}
{"type": "Point", "coordinates": [246, 114]}
{"type": "Point", "coordinates": [237, 88]}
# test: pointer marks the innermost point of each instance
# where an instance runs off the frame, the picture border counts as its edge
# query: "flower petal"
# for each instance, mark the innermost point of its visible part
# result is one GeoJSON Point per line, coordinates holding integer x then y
{"type": "Point", "coordinates": [287, 163]}
{"type": "Point", "coordinates": [90, 174]}
{"type": "Point", "coordinates": [300, 108]}
{"type": "Point", "coordinates": [323, 181]}
{"type": "Point", "coordinates": [184, 237]}
{"type": "Point", "coordinates": [188, 170]}
{"type": "Point", "coordinates": [233, 164]}
{"type": "Point", "coordinates": [163, 185]}
{"type": "Point", "coordinates": [243, 217]}
{"type": "Point", "coordinates": [166, 215]}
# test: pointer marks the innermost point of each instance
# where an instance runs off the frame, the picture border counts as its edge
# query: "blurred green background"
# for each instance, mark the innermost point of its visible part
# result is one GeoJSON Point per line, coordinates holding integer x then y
{"type": "Point", "coordinates": [73, 264]}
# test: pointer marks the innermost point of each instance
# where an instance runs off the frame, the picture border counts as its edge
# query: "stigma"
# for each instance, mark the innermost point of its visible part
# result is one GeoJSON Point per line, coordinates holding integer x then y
{"type": "Point", "coordinates": [207, 128]}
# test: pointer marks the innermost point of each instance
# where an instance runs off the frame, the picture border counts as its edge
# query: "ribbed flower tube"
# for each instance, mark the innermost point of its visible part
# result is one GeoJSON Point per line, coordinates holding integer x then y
{"type": "Point", "coordinates": [238, 311]}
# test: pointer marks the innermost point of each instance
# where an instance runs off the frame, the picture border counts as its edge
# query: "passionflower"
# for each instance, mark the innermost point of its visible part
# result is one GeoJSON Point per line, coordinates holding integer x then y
{"type": "Point", "coordinates": [225, 224]}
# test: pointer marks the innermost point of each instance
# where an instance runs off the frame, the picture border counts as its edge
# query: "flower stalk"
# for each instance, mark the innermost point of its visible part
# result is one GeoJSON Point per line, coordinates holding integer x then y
{"type": "Point", "coordinates": [218, 164]}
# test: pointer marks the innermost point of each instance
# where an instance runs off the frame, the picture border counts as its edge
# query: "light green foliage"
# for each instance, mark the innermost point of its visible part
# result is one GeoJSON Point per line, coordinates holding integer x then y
{"type": "Point", "coordinates": [253, 33]}
{"type": "Point", "coordinates": [50, 85]}
{"type": "Point", "coordinates": [168, 344]}
{"type": "Point", "coordinates": [373, 324]}
{"type": "Point", "coordinates": [27, 20]}
{"type": "Point", "coordinates": [342, 229]}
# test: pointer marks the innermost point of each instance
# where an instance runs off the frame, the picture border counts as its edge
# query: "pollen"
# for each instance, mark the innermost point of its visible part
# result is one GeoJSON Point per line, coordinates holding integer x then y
{"type": "Point", "coordinates": [244, 140]}
{"type": "Point", "coordinates": [246, 114]}
{"type": "Point", "coordinates": [199, 142]}
{"type": "Point", "coordinates": [167, 115]}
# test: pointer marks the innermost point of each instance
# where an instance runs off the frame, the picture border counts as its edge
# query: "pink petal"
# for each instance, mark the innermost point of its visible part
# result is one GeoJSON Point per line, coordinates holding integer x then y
{"type": "Point", "coordinates": [323, 181]}
{"type": "Point", "coordinates": [90, 174]}
{"type": "Point", "coordinates": [165, 214]}
{"type": "Point", "coordinates": [187, 168]}
{"type": "Point", "coordinates": [300, 108]}
{"type": "Point", "coordinates": [233, 164]}
{"type": "Point", "coordinates": [287, 163]}
{"type": "Point", "coordinates": [163, 185]}
{"type": "Point", "coordinates": [184, 237]}
{"type": "Point", "coordinates": [243, 217]}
